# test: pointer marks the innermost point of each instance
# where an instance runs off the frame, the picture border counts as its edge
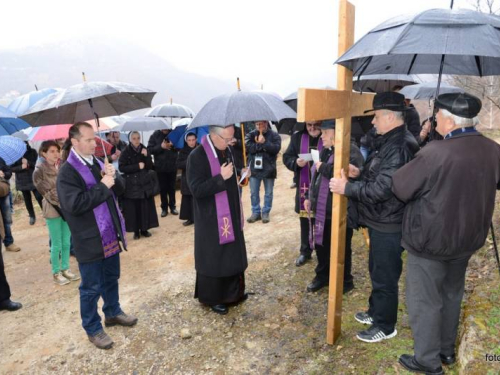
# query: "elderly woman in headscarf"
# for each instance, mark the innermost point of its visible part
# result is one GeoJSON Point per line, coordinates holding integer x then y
{"type": "Point", "coordinates": [187, 198]}
{"type": "Point", "coordinates": [139, 208]}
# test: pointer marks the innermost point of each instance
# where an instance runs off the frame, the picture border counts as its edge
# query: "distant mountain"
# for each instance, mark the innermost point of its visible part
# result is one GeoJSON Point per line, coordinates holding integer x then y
{"type": "Point", "coordinates": [61, 65]}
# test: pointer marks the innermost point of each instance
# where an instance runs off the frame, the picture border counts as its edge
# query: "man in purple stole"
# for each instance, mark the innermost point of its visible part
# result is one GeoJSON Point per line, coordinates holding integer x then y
{"type": "Point", "coordinates": [219, 244]}
{"type": "Point", "coordinates": [86, 190]}
{"type": "Point", "coordinates": [319, 201]}
{"type": "Point", "coordinates": [303, 142]}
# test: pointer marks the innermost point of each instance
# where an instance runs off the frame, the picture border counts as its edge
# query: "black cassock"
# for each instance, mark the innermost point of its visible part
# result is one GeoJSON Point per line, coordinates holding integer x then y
{"type": "Point", "coordinates": [219, 268]}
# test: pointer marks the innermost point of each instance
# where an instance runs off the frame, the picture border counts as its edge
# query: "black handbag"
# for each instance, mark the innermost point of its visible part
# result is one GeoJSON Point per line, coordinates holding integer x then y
{"type": "Point", "coordinates": [154, 184]}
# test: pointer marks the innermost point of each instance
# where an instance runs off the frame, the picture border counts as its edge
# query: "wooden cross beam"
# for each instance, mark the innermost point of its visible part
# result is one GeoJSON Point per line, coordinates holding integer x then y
{"type": "Point", "coordinates": [340, 104]}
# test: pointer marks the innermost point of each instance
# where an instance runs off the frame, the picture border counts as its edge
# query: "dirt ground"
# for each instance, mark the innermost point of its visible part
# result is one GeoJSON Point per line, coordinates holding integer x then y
{"type": "Point", "coordinates": [279, 329]}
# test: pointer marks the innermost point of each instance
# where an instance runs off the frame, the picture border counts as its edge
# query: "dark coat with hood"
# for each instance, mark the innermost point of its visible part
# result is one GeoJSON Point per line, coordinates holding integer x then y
{"type": "Point", "coordinates": [182, 165]}
{"type": "Point", "coordinates": [165, 160]}
{"type": "Point", "coordinates": [449, 190]}
{"type": "Point", "coordinates": [268, 150]}
{"type": "Point", "coordinates": [24, 177]}
{"type": "Point", "coordinates": [378, 207]}
{"type": "Point", "coordinates": [138, 182]}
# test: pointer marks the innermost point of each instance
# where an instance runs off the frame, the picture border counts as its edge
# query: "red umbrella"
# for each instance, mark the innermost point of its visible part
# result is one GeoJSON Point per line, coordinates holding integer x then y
{"type": "Point", "coordinates": [44, 133]}
{"type": "Point", "coordinates": [100, 146]}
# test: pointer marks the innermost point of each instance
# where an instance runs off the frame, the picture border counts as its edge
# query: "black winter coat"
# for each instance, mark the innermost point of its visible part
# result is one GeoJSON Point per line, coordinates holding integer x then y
{"type": "Point", "coordinates": [326, 170]}
{"type": "Point", "coordinates": [24, 177]}
{"type": "Point", "coordinates": [412, 121]}
{"type": "Point", "coordinates": [378, 208]}
{"type": "Point", "coordinates": [449, 190]}
{"type": "Point", "coordinates": [290, 160]}
{"type": "Point", "coordinates": [210, 258]}
{"type": "Point", "coordinates": [5, 169]}
{"type": "Point", "coordinates": [165, 160]}
{"type": "Point", "coordinates": [77, 204]}
{"type": "Point", "coordinates": [138, 182]}
{"type": "Point", "coordinates": [182, 164]}
{"type": "Point", "coordinates": [268, 150]}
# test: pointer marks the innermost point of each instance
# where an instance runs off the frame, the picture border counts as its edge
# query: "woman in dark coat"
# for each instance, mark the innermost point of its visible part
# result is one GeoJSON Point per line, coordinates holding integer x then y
{"type": "Point", "coordinates": [139, 208]}
{"type": "Point", "coordinates": [23, 168]}
{"type": "Point", "coordinates": [187, 197]}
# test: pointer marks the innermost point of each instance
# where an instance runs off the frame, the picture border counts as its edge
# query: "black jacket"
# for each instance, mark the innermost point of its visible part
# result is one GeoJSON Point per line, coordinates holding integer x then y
{"type": "Point", "coordinates": [412, 121]}
{"type": "Point", "coordinates": [326, 170]}
{"type": "Point", "coordinates": [165, 160]}
{"type": "Point", "coordinates": [182, 164]}
{"type": "Point", "coordinates": [449, 190]}
{"type": "Point", "coordinates": [24, 177]}
{"type": "Point", "coordinates": [378, 208]}
{"type": "Point", "coordinates": [268, 150]}
{"type": "Point", "coordinates": [290, 160]}
{"type": "Point", "coordinates": [138, 182]}
{"type": "Point", "coordinates": [77, 204]}
{"type": "Point", "coordinates": [5, 169]}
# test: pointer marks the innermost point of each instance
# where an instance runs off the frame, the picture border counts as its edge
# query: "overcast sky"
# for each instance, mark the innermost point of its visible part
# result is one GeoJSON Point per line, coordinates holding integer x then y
{"type": "Point", "coordinates": [282, 44]}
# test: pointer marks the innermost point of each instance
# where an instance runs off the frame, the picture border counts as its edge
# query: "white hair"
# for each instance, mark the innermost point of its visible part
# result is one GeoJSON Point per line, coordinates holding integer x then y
{"type": "Point", "coordinates": [462, 122]}
{"type": "Point", "coordinates": [397, 115]}
{"type": "Point", "coordinates": [215, 129]}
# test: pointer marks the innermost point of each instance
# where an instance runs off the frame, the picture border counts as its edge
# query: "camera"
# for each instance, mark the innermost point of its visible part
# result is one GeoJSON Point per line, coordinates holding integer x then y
{"type": "Point", "coordinates": [258, 162]}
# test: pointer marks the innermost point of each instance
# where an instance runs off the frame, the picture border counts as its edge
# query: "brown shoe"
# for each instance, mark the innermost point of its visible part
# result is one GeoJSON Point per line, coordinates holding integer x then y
{"type": "Point", "coordinates": [13, 247]}
{"type": "Point", "coordinates": [101, 340]}
{"type": "Point", "coordinates": [121, 320]}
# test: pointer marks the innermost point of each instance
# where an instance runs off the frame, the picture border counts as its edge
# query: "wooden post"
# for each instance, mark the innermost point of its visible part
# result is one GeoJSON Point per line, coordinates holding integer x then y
{"type": "Point", "coordinates": [340, 104]}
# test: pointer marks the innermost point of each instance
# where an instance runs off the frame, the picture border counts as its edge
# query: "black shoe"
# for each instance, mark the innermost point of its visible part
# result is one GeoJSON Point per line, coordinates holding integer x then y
{"type": "Point", "coordinates": [164, 213]}
{"type": "Point", "coordinates": [254, 218]}
{"type": "Point", "coordinates": [410, 363]}
{"type": "Point", "coordinates": [137, 235]}
{"type": "Point", "coordinates": [10, 305]}
{"type": "Point", "coordinates": [316, 285]}
{"type": "Point", "coordinates": [302, 259]}
{"type": "Point", "coordinates": [173, 211]}
{"type": "Point", "coordinates": [32, 220]}
{"type": "Point", "coordinates": [348, 286]}
{"type": "Point", "coordinates": [219, 309]}
{"type": "Point", "coordinates": [375, 334]}
{"type": "Point", "coordinates": [145, 233]}
{"type": "Point", "coordinates": [187, 223]}
{"type": "Point", "coordinates": [448, 360]}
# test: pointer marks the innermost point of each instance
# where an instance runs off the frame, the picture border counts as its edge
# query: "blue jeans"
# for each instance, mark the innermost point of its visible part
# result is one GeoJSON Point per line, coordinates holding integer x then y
{"type": "Point", "coordinates": [7, 220]}
{"type": "Point", "coordinates": [99, 279]}
{"type": "Point", "coordinates": [385, 266]}
{"type": "Point", "coordinates": [255, 191]}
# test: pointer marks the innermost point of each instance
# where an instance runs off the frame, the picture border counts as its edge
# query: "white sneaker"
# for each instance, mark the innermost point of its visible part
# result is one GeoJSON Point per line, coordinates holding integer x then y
{"type": "Point", "coordinates": [59, 279]}
{"type": "Point", "coordinates": [70, 275]}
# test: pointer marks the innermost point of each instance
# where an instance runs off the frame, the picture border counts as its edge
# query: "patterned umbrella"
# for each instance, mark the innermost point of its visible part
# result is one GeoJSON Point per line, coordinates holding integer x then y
{"type": "Point", "coordinates": [11, 149]}
{"type": "Point", "coordinates": [22, 103]}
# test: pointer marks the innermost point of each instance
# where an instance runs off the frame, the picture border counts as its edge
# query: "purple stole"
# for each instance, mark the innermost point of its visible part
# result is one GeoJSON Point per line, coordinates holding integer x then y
{"type": "Point", "coordinates": [224, 219]}
{"type": "Point", "coordinates": [316, 231]}
{"type": "Point", "coordinates": [304, 177]}
{"type": "Point", "coordinates": [109, 237]}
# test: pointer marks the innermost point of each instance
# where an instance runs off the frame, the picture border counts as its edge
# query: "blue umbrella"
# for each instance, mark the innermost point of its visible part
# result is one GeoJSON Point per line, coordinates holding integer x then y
{"type": "Point", "coordinates": [11, 149]}
{"type": "Point", "coordinates": [21, 104]}
{"type": "Point", "coordinates": [9, 123]}
{"type": "Point", "coordinates": [178, 135]}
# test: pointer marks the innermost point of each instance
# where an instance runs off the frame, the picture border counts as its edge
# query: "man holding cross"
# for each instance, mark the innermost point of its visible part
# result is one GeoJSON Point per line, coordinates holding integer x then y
{"type": "Point", "coordinates": [381, 212]}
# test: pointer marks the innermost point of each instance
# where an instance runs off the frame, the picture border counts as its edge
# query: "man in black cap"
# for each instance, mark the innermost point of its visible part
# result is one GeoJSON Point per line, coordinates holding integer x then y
{"type": "Point", "coordinates": [449, 190]}
{"type": "Point", "coordinates": [381, 212]}
{"type": "Point", "coordinates": [319, 201]}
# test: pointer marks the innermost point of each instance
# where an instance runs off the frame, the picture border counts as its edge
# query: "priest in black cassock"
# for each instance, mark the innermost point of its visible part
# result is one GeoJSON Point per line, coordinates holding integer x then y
{"type": "Point", "coordinates": [219, 244]}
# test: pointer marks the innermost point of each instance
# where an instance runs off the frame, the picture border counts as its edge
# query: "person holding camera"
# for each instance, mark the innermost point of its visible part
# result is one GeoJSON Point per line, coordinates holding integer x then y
{"type": "Point", "coordinates": [263, 146]}
{"type": "Point", "coordinates": [165, 160]}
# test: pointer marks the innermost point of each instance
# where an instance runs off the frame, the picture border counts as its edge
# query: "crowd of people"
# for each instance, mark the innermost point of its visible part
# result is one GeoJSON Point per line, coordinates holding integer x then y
{"type": "Point", "coordinates": [410, 195]}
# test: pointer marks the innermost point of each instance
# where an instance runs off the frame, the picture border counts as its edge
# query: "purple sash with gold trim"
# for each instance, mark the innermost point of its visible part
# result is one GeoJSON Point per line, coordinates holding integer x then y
{"type": "Point", "coordinates": [305, 175]}
{"type": "Point", "coordinates": [109, 237]}
{"type": "Point", "coordinates": [316, 233]}
{"type": "Point", "coordinates": [224, 220]}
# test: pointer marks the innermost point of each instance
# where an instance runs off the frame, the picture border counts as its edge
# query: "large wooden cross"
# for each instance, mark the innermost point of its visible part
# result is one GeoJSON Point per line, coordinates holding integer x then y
{"type": "Point", "coordinates": [340, 104]}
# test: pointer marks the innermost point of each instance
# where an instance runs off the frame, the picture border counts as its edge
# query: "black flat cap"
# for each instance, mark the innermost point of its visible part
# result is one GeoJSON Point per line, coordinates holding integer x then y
{"type": "Point", "coordinates": [391, 101]}
{"type": "Point", "coordinates": [327, 124]}
{"type": "Point", "coordinates": [460, 104]}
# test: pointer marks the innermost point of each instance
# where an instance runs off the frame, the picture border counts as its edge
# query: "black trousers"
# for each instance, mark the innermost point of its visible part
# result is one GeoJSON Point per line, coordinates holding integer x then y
{"type": "Point", "coordinates": [434, 291]}
{"type": "Point", "coordinates": [323, 253]}
{"type": "Point", "coordinates": [385, 266]}
{"type": "Point", "coordinates": [305, 249]}
{"type": "Point", "coordinates": [4, 285]}
{"type": "Point", "coordinates": [29, 203]}
{"type": "Point", "coordinates": [167, 189]}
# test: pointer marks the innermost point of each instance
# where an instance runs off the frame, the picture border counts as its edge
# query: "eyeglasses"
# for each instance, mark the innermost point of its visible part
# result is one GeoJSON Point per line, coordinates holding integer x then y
{"type": "Point", "coordinates": [227, 140]}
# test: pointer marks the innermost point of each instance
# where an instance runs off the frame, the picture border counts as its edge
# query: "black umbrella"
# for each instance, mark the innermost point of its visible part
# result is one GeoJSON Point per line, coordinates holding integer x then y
{"type": "Point", "coordinates": [442, 41]}
{"type": "Point", "coordinates": [382, 82]}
